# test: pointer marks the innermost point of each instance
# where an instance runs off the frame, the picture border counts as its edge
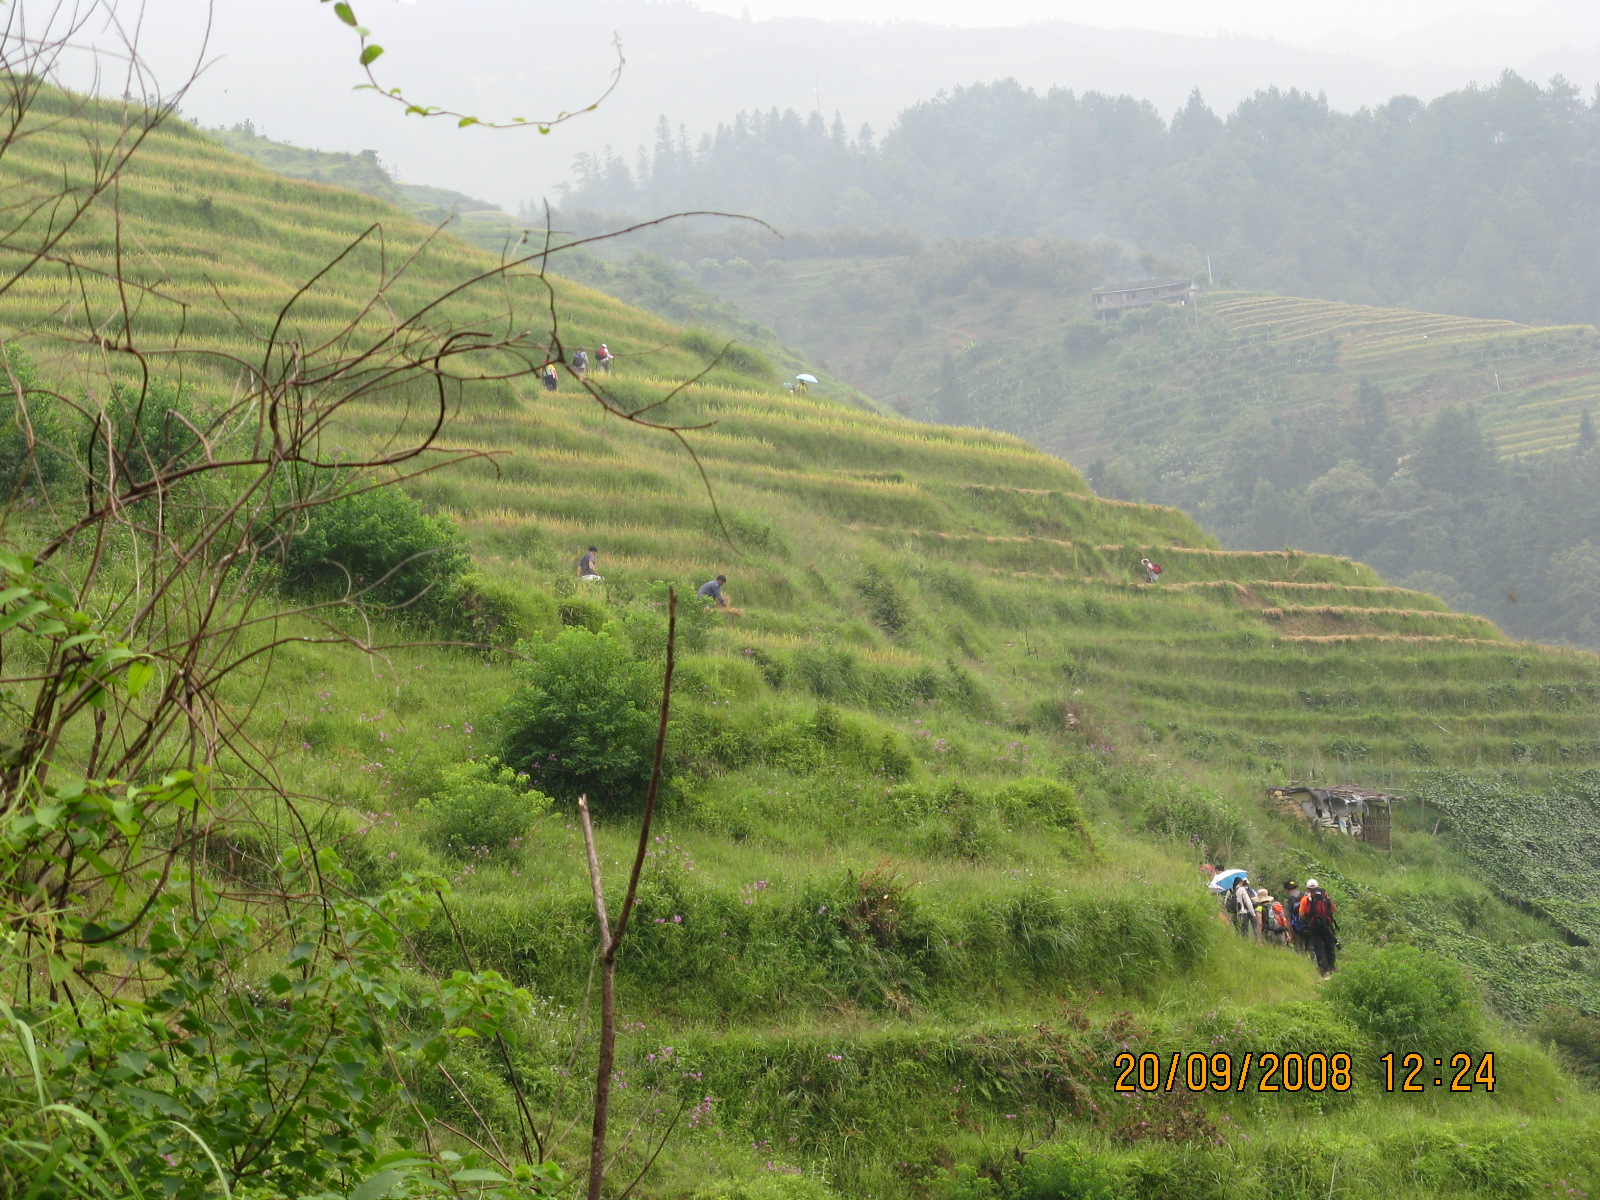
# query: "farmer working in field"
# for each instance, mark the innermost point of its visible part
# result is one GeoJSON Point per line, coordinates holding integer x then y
{"type": "Point", "coordinates": [711, 589]}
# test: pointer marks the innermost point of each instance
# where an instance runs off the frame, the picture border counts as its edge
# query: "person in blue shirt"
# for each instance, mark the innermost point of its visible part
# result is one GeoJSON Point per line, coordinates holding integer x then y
{"type": "Point", "coordinates": [711, 589]}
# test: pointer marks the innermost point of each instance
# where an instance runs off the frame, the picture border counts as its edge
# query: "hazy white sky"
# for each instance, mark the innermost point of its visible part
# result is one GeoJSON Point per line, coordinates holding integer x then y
{"type": "Point", "coordinates": [1296, 20]}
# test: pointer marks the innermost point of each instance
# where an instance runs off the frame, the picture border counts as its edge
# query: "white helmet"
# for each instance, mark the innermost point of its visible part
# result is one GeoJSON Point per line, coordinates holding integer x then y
{"type": "Point", "coordinates": [1312, 885]}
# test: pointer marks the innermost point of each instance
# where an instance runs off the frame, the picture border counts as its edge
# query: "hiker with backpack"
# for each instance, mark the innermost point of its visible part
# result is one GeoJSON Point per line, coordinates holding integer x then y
{"type": "Point", "coordinates": [1274, 920]}
{"type": "Point", "coordinates": [1152, 572]}
{"type": "Point", "coordinates": [1291, 908]}
{"type": "Point", "coordinates": [1242, 908]}
{"type": "Point", "coordinates": [580, 363]}
{"type": "Point", "coordinates": [604, 358]}
{"type": "Point", "coordinates": [1317, 915]}
{"type": "Point", "coordinates": [547, 376]}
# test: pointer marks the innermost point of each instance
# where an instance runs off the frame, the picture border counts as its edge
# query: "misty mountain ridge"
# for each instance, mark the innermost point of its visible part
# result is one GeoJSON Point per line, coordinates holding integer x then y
{"type": "Point", "coordinates": [1558, 36]}
{"type": "Point", "coordinates": [701, 68]}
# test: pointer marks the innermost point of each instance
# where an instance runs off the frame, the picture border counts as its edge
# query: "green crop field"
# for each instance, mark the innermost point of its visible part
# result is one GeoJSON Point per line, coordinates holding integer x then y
{"type": "Point", "coordinates": [941, 779]}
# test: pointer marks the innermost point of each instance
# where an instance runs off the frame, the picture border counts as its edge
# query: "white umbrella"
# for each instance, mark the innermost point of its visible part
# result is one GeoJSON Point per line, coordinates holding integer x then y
{"type": "Point", "coordinates": [808, 379]}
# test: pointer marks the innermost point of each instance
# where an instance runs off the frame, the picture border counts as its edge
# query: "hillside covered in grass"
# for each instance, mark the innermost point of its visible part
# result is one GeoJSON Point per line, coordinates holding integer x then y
{"type": "Point", "coordinates": [1451, 453]}
{"type": "Point", "coordinates": [938, 785]}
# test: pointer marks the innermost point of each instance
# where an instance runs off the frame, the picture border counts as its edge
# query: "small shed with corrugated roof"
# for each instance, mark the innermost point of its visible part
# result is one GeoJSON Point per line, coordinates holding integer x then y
{"type": "Point", "coordinates": [1364, 813]}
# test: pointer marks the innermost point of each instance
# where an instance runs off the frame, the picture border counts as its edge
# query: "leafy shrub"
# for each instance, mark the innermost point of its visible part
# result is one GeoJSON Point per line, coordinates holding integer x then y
{"type": "Point", "coordinates": [1065, 1170]}
{"type": "Point", "coordinates": [379, 542]}
{"type": "Point", "coordinates": [1049, 801]}
{"type": "Point", "coordinates": [21, 469]}
{"type": "Point", "coordinates": [745, 359]}
{"type": "Point", "coordinates": [584, 720]}
{"type": "Point", "coordinates": [645, 623]}
{"type": "Point", "coordinates": [149, 429]}
{"type": "Point", "coordinates": [1407, 1000]}
{"type": "Point", "coordinates": [773, 1185]}
{"type": "Point", "coordinates": [886, 603]}
{"type": "Point", "coordinates": [482, 808]}
{"type": "Point", "coordinates": [950, 821]}
{"type": "Point", "coordinates": [485, 610]}
{"type": "Point", "coordinates": [583, 612]}
{"type": "Point", "coordinates": [1575, 1035]}
{"type": "Point", "coordinates": [1200, 818]}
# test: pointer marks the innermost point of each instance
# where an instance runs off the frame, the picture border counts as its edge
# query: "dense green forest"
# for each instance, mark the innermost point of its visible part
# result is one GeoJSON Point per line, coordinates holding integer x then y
{"type": "Point", "coordinates": [1485, 201]}
{"type": "Point", "coordinates": [1431, 505]}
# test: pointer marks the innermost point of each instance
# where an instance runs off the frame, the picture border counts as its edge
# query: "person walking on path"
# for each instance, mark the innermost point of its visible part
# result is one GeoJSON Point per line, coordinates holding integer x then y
{"type": "Point", "coordinates": [547, 376]}
{"type": "Point", "coordinates": [1152, 573]}
{"type": "Point", "coordinates": [1242, 908]}
{"type": "Point", "coordinates": [711, 589]}
{"type": "Point", "coordinates": [1317, 915]}
{"type": "Point", "coordinates": [580, 363]}
{"type": "Point", "coordinates": [1291, 906]}
{"type": "Point", "coordinates": [603, 359]}
{"type": "Point", "coordinates": [586, 566]}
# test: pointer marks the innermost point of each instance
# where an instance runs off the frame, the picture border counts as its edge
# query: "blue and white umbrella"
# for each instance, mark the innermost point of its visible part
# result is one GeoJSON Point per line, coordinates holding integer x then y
{"type": "Point", "coordinates": [1227, 879]}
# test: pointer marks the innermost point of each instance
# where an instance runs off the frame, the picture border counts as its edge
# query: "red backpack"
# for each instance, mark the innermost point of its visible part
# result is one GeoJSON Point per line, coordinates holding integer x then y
{"type": "Point", "coordinates": [1317, 908]}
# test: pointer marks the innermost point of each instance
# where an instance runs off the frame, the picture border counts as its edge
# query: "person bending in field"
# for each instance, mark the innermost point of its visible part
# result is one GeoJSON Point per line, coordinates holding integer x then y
{"type": "Point", "coordinates": [1321, 928]}
{"type": "Point", "coordinates": [586, 566]}
{"type": "Point", "coordinates": [711, 589]}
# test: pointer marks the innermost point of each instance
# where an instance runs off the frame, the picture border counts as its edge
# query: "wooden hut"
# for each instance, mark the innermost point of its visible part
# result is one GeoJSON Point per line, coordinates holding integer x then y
{"type": "Point", "coordinates": [1357, 812]}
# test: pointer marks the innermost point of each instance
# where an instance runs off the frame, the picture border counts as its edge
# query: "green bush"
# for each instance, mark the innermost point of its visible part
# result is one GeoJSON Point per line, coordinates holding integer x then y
{"type": "Point", "coordinates": [887, 604]}
{"type": "Point", "coordinates": [1406, 999]}
{"type": "Point", "coordinates": [584, 612]}
{"type": "Point", "coordinates": [1048, 801]}
{"type": "Point", "coordinates": [1204, 820]}
{"type": "Point", "coordinates": [482, 809]}
{"type": "Point", "coordinates": [1576, 1036]}
{"type": "Point", "coordinates": [773, 1185]}
{"type": "Point", "coordinates": [584, 720]}
{"type": "Point", "coordinates": [380, 543]}
{"type": "Point", "coordinates": [50, 459]}
{"type": "Point", "coordinates": [645, 623]}
{"type": "Point", "coordinates": [149, 429]}
{"type": "Point", "coordinates": [955, 823]}
{"type": "Point", "coordinates": [1059, 1171]}
{"type": "Point", "coordinates": [497, 614]}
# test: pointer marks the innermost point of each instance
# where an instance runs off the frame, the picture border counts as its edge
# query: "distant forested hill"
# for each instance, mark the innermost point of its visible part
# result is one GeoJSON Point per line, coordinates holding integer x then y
{"type": "Point", "coordinates": [1484, 202]}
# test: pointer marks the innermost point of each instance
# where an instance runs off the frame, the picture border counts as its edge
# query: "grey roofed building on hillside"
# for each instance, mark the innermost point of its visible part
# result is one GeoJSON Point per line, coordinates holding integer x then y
{"type": "Point", "coordinates": [1141, 293]}
{"type": "Point", "coordinates": [1360, 812]}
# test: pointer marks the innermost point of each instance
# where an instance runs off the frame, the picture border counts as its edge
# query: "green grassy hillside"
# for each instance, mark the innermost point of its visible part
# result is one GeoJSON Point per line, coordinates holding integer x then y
{"type": "Point", "coordinates": [940, 784]}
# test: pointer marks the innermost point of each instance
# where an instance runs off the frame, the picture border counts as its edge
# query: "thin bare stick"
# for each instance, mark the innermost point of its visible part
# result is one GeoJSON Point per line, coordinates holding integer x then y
{"type": "Point", "coordinates": [611, 939]}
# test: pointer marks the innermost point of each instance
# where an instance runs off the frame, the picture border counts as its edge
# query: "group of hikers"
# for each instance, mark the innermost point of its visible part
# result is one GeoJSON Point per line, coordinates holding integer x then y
{"type": "Point", "coordinates": [588, 572]}
{"type": "Point", "coordinates": [603, 358]}
{"type": "Point", "coordinates": [1304, 919]}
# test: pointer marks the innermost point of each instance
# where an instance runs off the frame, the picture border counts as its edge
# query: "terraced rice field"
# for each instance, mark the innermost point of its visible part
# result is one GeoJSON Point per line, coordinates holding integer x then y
{"type": "Point", "coordinates": [1282, 660]}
